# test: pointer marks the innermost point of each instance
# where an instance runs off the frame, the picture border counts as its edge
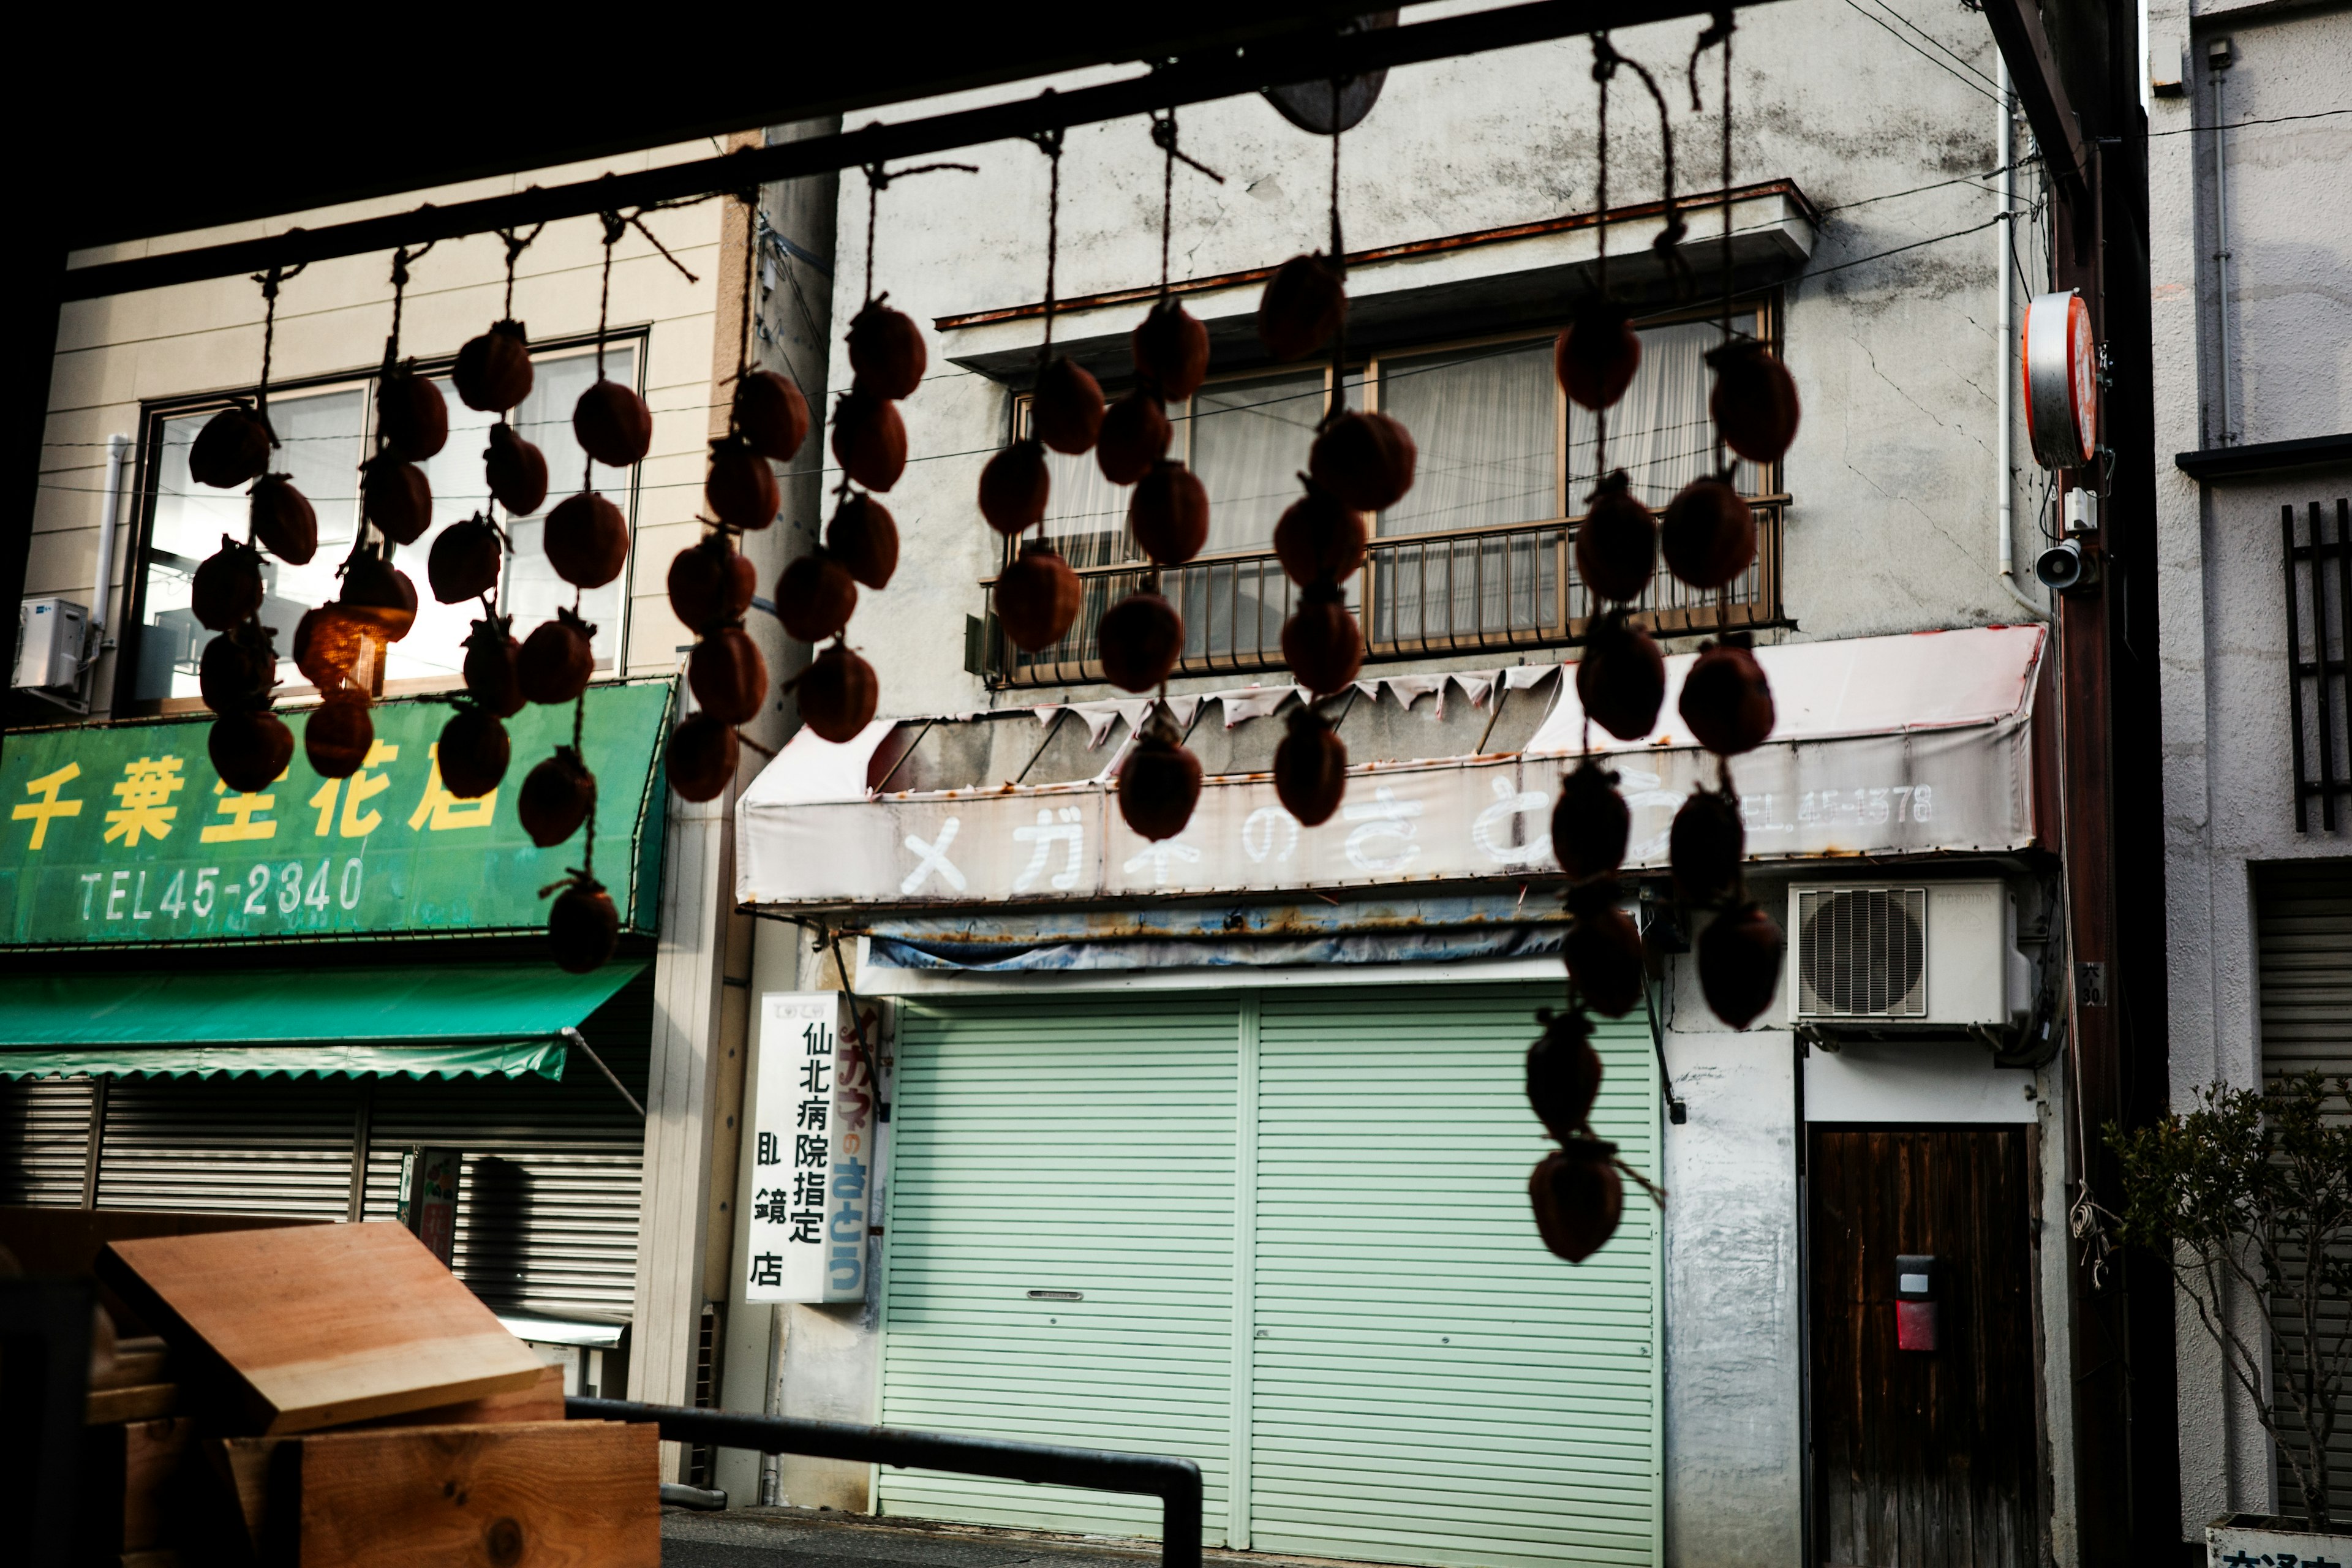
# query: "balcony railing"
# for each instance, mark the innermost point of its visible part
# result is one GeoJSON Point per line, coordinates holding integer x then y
{"type": "Point", "coordinates": [1498, 589]}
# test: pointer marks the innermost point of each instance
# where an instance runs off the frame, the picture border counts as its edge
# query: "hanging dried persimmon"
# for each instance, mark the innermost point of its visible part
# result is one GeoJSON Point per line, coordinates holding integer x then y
{"type": "Point", "coordinates": [555, 799]}
{"type": "Point", "coordinates": [1319, 538]}
{"type": "Point", "coordinates": [1596, 357]}
{"type": "Point", "coordinates": [702, 757]}
{"type": "Point", "coordinates": [1140, 638]}
{"type": "Point", "coordinates": [517, 471]}
{"type": "Point", "coordinates": [557, 659]}
{"type": "Point", "coordinates": [249, 750]}
{"type": "Point", "coordinates": [1590, 823]}
{"type": "Point", "coordinates": [337, 737]}
{"type": "Point", "coordinates": [1617, 542]}
{"type": "Point", "coordinates": [1066, 408]}
{"type": "Point", "coordinates": [612, 423]}
{"type": "Point", "coordinates": [586, 540]}
{"type": "Point", "coordinates": [1169, 513]}
{"type": "Point", "coordinates": [1321, 642]}
{"type": "Point", "coordinates": [1159, 781]}
{"type": "Point", "coordinates": [863, 537]}
{"type": "Point", "coordinates": [464, 560]}
{"type": "Point", "coordinates": [816, 596]}
{"type": "Point", "coordinates": [1303, 308]}
{"type": "Point", "coordinates": [838, 693]}
{"type": "Point", "coordinates": [1134, 435]}
{"type": "Point", "coordinates": [283, 520]}
{"type": "Point", "coordinates": [1037, 597]}
{"type": "Point", "coordinates": [493, 373]}
{"type": "Point", "coordinates": [1365, 460]}
{"type": "Point", "coordinates": [1622, 679]}
{"type": "Point", "coordinates": [226, 587]}
{"type": "Point", "coordinates": [869, 439]}
{"type": "Point", "coordinates": [1014, 487]}
{"type": "Point", "coordinates": [727, 674]}
{"type": "Point", "coordinates": [473, 753]}
{"type": "Point", "coordinates": [712, 584]}
{"type": "Point", "coordinates": [238, 670]}
{"type": "Point", "coordinates": [740, 487]}
{"type": "Point", "coordinates": [493, 668]}
{"type": "Point", "coordinates": [1726, 699]}
{"type": "Point", "coordinates": [1563, 1073]}
{"type": "Point", "coordinates": [397, 497]}
{"type": "Point", "coordinates": [1603, 948]}
{"type": "Point", "coordinates": [886, 355]}
{"type": "Point", "coordinates": [1311, 767]}
{"type": "Point", "coordinates": [232, 449]}
{"type": "Point", "coordinates": [1739, 956]}
{"type": "Point", "coordinates": [1708, 536]}
{"type": "Point", "coordinates": [411, 415]}
{"type": "Point", "coordinates": [1578, 1198]}
{"type": "Point", "coordinates": [1705, 846]}
{"type": "Point", "coordinates": [583, 926]}
{"type": "Point", "coordinates": [1754, 402]}
{"type": "Point", "coordinates": [771, 414]}
{"type": "Point", "coordinates": [1172, 351]}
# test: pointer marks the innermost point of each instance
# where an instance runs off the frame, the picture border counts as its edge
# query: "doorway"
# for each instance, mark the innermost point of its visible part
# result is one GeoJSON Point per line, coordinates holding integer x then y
{"type": "Point", "coordinates": [1924, 1458]}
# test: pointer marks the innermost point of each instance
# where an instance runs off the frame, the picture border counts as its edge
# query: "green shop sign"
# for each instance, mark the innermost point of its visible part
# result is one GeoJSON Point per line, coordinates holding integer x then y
{"type": "Point", "coordinates": [122, 835]}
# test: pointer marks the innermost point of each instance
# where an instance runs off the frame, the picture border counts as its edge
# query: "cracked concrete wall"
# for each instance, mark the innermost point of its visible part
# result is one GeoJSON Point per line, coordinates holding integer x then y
{"type": "Point", "coordinates": [2287, 370]}
{"type": "Point", "coordinates": [1894, 479]}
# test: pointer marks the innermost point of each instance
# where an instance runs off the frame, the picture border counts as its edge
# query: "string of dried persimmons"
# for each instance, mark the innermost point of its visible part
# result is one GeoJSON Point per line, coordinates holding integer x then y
{"type": "Point", "coordinates": [1708, 540]}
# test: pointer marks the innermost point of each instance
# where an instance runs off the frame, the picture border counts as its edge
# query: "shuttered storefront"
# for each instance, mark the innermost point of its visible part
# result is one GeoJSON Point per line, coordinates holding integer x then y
{"type": "Point", "coordinates": [548, 1199]}
{"type": "Point", "coordinates": [2304, 919]}
{"type": "Point", "coordinates": [1298, 1223]}
{"type": "Point", "coordinates": [44, 1142]}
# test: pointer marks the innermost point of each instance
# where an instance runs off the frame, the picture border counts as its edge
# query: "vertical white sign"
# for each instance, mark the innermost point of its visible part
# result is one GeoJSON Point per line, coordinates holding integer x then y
{"type": "Point", "coordinates": [811, 1148]}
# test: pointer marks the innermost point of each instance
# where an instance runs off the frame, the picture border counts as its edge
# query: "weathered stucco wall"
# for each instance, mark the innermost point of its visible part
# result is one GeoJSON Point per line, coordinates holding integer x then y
{"type": "Point", "coordinates": [1893, 527]}
{"type": "Point", "coordinates": [2228, 769]}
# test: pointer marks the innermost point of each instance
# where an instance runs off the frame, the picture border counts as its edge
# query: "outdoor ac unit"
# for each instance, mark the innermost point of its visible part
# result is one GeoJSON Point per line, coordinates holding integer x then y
{"type": "Point", "coordinates": [1899, 953]}
{"type": "Point", "coordinates": [48, 643]}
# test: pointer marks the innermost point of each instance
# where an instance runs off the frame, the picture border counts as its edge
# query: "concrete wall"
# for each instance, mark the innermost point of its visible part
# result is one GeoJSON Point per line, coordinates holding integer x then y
{"type": "Point", "coordinates": [2287, 367]}
{"type": "Point", "coordinates": [1894, 471]}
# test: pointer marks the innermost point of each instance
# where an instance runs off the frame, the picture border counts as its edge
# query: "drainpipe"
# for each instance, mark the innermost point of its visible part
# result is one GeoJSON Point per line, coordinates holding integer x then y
{"type": "Point", "coordinates": [2007, 371]}
{"type": "Point", "coordinates": [110, 504]}
{"type": "Point", "coordinates": [2217, 62]}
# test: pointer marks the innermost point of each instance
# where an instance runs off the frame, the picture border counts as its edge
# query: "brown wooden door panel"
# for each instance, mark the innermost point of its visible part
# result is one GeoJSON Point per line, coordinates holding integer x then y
{"type": "Point", "coordinates": [1924, 1460]}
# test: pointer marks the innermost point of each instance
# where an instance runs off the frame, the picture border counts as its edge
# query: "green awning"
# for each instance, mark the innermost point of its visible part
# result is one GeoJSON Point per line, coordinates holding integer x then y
{"type": "Point", "coordinates": [461, 1020]}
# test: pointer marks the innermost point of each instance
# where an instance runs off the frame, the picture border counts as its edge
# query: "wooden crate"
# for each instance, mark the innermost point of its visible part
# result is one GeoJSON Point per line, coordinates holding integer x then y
{"type": "Point", "coordinates": [276, 1331]}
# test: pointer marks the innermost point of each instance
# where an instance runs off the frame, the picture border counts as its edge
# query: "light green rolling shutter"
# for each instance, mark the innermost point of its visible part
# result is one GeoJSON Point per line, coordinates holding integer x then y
{"type": "Point", "coordinates": [1423, 1382]}
{"type": "Point", "coordinates": [1430, 1385]}
{"type": "Point", "coordinates": [1078, 1146]}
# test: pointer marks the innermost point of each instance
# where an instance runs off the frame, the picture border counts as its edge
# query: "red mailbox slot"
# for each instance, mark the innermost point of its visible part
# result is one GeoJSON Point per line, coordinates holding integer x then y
{"type": "Point", "coordinates": [1915, 1302]}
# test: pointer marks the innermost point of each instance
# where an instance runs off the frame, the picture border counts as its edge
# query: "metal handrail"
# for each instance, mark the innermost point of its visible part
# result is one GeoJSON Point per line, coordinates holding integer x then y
{"type": "Point", "coordinates": [1175, 1482]}
{"type": "Point", "coordinates": [1488, 588]}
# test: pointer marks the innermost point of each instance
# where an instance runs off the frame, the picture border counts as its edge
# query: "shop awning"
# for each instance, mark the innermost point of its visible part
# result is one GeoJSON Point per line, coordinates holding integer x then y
{"type": "Point", "coordinates": [416, 1021]}
{"type": "Point", "coordinates": [1897, 747]}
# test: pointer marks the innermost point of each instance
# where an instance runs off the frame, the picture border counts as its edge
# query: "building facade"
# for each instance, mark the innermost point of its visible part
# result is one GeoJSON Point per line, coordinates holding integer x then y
{"type": "Point", "coordinates": [2247, 140]}
{"type": "Point", "coordinates": [1217, 1146]}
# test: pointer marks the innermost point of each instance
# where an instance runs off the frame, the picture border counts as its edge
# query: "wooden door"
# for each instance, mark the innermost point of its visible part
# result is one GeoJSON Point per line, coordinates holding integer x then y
{"type": "Point", "coordinates": [1923, 1459]}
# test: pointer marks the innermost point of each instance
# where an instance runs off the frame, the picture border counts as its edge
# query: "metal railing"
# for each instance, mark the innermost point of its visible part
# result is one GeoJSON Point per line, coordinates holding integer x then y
{"type": "Point", "coordinates": [1506, 587]}
{"type": "Point", "coordinates": [1175, 1482]}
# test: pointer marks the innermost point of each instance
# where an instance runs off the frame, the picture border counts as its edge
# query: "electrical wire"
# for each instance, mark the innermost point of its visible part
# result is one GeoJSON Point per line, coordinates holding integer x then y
{"type": "Point", "coordinates": [1972, 86]}
{"type": "Point", "coordinates": [1938, 44]}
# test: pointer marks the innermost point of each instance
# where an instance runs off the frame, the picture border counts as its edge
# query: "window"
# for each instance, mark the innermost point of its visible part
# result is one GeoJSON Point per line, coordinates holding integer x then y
{"type": "Point", "coordinates": [1477, 555]}
{"type": "Point", "coordinates": [323, 432]}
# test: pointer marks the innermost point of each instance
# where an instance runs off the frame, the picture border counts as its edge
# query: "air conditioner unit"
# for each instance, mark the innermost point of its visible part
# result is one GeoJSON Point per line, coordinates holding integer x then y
{"type": "Point", "coordinates": [50, 634]}
{"type": "Point", "coordinates": [1899, 955]}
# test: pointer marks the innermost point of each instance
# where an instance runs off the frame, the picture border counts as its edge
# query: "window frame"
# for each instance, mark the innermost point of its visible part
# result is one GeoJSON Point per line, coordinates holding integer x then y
{"type": "Point", "coordinates": [147, 479]}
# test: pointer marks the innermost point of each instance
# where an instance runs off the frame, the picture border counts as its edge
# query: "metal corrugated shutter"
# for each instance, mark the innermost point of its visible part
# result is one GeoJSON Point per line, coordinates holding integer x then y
{"type": "Point", "coordinates": [1429, 1383]}
{"type": "Point", "coordinates": [230, 1145]}
{"type": "Point", "coordinates": [2303, 916]}
{"type": "Point", "coordinates": [547, 1192]}
{"type": "Point", "coordinates": [44, 1141]}
{"type": "Point", "coordinates": [1424, 1382]}
{"type": "Point", "coordinates": [1083, 1146]}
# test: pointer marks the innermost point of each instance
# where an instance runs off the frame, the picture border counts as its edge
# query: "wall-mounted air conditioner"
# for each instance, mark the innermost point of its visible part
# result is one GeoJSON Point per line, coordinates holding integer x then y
{"type": "Point", "coordinates": [49, 636]}
{"type": "Point", "coordinates": [1898, 955]}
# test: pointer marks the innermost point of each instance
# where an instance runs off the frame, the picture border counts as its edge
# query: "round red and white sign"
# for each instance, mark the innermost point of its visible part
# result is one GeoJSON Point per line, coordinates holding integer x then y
{"type": "Point", "coordinates": [2062, 391]}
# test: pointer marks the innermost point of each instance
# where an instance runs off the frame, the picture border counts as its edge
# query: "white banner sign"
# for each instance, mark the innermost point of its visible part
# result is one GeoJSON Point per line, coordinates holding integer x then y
{"type": "Point", "coordinates": [809, 1154]}
{"type": "Point", "coordinates": [1945, 790]}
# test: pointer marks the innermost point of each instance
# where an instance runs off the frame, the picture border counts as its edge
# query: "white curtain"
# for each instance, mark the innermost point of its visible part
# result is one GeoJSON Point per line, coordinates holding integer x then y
{"type": "Point", "coordinates": [1486, 425]}
{"type": "Point", "coordinates": [1249, 442]}
{"type": "Point", "coordinates": [1660, 432]}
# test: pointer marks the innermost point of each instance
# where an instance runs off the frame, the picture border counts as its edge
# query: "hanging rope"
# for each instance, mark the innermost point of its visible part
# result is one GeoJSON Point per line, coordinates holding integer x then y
{"type": "Point", "coordinates": [750, 200]}
{"type": "Point", "coordinates": [1604, 67]}
{"type": "Point", "coordinates": [1163, 135]}
{"type": "Point", "coordinates": [1672, 235]}
{"type": "Point", "coordinates": [516, 245]}
{"type": "Point", "coordinates": [877, 180]}
{"type": "Point", "coordinates": [269, 282]}
{"type": "Point", "coordinates": [1050, 144]}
